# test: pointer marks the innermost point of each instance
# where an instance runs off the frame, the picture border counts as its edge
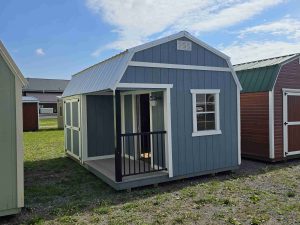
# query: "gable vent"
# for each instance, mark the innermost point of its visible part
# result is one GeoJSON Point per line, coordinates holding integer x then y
{"type": "Point", "coordinates": [184, 45]}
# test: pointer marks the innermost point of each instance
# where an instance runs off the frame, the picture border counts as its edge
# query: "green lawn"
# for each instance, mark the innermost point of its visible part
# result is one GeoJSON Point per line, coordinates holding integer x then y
{"type": "Point", "coordinates": [59, 191]}
{"type": "Point", "coordinates": [48, 123]}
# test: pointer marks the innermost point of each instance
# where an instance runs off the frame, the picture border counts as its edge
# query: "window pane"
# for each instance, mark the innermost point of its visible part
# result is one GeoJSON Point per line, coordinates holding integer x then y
{"type": "Point", "coordinates": [200, 103]}
{"type": "Point", "coordinates": [210, 121]}
{"type": "Point", "coordinates": [206, 121]}
{"type": "Point", "coordinates": [210, 107]}
{"type": "Point", "coordinates": [200, 122]}
{"type": "Point", "coordinates": [210, 98]}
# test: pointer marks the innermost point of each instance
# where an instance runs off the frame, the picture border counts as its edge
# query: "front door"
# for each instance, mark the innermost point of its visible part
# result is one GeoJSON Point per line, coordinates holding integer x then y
{"type": "Point", "coordinates": [72, 127]}
{"type": "Point", "coordinates": [143, 124]}
{"type": "Point", "coordinates": [291, 122]}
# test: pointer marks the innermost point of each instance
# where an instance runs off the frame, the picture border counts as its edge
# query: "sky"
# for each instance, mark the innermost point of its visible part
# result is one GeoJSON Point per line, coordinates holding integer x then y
{"type": "Point", "coordinates": [56, 38]}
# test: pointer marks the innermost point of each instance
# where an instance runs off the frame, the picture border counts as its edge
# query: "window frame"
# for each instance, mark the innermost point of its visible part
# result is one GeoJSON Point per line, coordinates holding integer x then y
{"type": "Point", "coordinates": [217, 129]}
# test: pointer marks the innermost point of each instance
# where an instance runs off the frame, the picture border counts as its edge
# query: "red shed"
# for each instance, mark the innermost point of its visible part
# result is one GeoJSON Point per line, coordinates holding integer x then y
{"type": "Point", "coordinates": [30, 113]}
{"type": "Point", "coordinates": [270, 108]}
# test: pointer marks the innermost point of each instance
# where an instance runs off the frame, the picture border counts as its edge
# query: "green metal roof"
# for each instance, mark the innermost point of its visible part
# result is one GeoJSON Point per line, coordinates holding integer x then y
{"type": "Point", "coordinates": [260, 76]}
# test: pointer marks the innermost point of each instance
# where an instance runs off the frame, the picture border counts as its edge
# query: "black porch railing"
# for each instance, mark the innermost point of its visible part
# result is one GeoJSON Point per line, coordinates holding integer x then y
{"type": "Point", "coordinates": [143, 152]}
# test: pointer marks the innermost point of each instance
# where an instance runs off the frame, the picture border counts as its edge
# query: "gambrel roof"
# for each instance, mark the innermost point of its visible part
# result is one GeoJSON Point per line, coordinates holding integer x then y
{"type": "Point", "coordinates": [107, 74]}
{"type": "Point", "coordinates": [260, 76]}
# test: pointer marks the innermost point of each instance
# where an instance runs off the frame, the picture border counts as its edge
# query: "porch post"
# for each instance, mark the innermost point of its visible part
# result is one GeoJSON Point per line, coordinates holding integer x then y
{"type": "Point", "coordinates": [118, 159]}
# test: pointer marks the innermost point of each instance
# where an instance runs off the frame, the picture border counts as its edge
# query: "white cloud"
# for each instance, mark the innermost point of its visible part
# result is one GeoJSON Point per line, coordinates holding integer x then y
{"type": "Point", "coordinates": [250, 51]}
{"type": "Point", "coordinates": [288, 27]}
{"type": "Point", "coordinates": [39, 52]}
{"type": "Point", "coordinates": [136, 21]}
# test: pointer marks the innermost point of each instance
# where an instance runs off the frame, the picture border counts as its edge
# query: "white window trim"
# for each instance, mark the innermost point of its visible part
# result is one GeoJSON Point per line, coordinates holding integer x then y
{"type": "Point", "coordinates": [197, 133]}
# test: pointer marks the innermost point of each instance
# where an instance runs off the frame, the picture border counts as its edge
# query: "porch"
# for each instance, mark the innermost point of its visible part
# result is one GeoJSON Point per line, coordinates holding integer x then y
{"type": "Point", "coordinates": [105, 169]}
{"type": "Point", "coordinates": [127, 140]}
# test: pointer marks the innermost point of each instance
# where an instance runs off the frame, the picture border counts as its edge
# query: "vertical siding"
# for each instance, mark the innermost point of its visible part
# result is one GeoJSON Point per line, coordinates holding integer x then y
{"type": "Point", "coordinates": [30, 117]}
{"type": "Point", "coordinates": [167, 53]}
{"type": "Point", "coordinates": [255, 124]}
{"type": "Point", "coordinates": [100, 125]}
{"type": "Point", "coordinates": [128, 114]}
{"type": "Point", "coordinates": [158, 112]}
{"type": "Point", "coordinates": [8, 151]}
{"type": "Point", "coordinates": [195, 154]}
{"type": "Point", "coordinates": [289, 77]}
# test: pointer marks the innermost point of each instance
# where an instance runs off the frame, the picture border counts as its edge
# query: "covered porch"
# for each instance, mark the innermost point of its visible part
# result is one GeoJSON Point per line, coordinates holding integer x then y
{"type": "Point", "coordinates": [139, 149]}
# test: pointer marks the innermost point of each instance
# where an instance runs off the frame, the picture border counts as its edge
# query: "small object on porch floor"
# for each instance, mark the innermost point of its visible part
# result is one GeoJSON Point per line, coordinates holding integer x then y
{"type": "Point", "coordinates": [146, 155]}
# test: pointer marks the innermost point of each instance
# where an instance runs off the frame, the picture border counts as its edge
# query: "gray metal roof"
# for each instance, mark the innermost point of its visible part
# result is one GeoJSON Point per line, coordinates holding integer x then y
{"type": "Point", "coordinates": [106, 74]}
{"type": "Point", "coordinates": [263, 62]}
{"type": "Point", "coordinates": [29, 99]}
{"type": "Point", "coordinates": [102, 76]}
{"type": "Point", "coordinates": [45, 85]}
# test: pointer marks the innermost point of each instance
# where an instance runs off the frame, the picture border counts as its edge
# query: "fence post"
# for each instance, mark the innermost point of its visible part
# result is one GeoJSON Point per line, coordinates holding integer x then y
{"type": "Point", "coordinates": [118, 150]}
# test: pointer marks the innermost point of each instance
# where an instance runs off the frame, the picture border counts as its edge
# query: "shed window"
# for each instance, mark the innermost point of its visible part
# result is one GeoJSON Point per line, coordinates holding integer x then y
{"type": "Point", "coordinates": [205, 112]}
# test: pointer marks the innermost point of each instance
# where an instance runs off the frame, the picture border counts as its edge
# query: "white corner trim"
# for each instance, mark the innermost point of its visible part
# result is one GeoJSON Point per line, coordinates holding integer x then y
{"type": "Point", "coordinates": [238, 103]}
{"type": "Point", "coordinates": [271, 125]}
{"type": "Point", "coordinates": [19, 143]}
{"type": "Point", "coordinates": [144, 85]}
{"type": "Point", "coordinates": [206, 133]}
{"type": "Point", "coordinates": [168, 127]}
{"type": "Point", "coordinates": [235, 77]}
{"type": "Point", "coordinates": [178, 66]}
{"type": "Point", "coordinates": [12, 65]}
{"type": "Point", "coordinates": [84, 132]}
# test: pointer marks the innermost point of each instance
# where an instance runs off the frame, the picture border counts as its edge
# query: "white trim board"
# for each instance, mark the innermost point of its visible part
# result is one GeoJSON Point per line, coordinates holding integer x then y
{"type": "Point", "coordinates": [217, 130]}
{"type": "Point", "coordinates": [19, 144]}
{"type": "Point", "coordinates": [12, 65]}
{"type": "Point", "coordinates": [178, 66]}
{"type": "Point", "coordinates": [238, 99]}
{"type": "Point", "coordinates": [235, 77]}
{"type": "Point", "coordinates": [271, 125]}
{"type": "Point", "coordinates": [144, 85]}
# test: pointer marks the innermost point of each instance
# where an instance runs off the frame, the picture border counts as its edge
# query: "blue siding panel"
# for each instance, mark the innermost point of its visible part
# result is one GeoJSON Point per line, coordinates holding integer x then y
{"type": "Point", "coordinates": [100, 125]}
{"type": "Point", "coordinates": [168, 53]}
{"type": "Point", "coordinates": [196, 154]}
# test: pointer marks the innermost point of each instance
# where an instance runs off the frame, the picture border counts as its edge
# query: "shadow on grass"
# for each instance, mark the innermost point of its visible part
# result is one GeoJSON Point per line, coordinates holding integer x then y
{"type": "Point", "coordinates": [49, 129]}
{"type": "Point", "coordinates": [60, 187]}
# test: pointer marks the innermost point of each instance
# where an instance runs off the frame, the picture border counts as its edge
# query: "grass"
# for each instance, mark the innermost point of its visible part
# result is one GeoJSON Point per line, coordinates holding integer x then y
{"type": "Point", "coordinates": [59, 191]}
{"type": "Point", "coordinates": [50, 123]}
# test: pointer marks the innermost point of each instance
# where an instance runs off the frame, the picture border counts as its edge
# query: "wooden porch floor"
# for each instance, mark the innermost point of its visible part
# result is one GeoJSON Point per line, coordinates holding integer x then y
{"type": "Point", "coordinates": [105, 169]}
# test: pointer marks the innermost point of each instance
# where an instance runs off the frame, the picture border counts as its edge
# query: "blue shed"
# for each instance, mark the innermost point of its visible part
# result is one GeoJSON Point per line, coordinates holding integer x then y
{"type": "Point", "coordinates": [161, 111]}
